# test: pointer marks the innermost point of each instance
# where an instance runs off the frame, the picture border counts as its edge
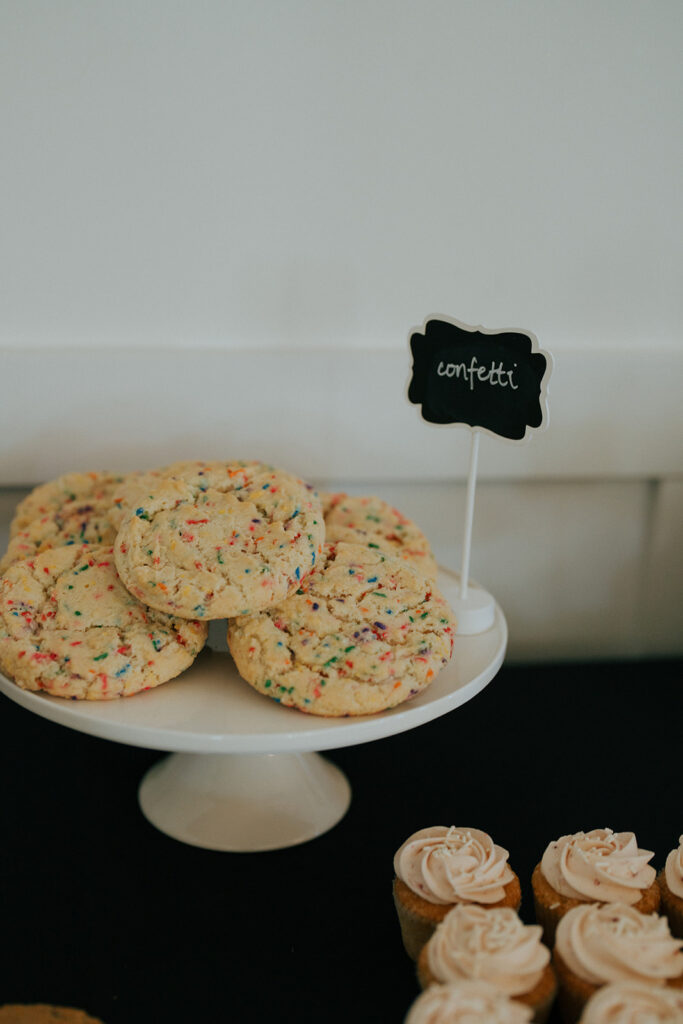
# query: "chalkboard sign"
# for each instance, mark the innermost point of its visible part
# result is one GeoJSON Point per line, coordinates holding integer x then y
{"type": "Point", "coordinates": [493, 380]}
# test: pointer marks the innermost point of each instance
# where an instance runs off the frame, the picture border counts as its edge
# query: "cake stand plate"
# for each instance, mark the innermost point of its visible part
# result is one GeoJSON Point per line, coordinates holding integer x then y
{"type": "Point", "coordinates": [245, 774]}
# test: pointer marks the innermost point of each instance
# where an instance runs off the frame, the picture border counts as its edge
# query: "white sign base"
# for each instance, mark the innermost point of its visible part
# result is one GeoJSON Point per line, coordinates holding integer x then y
{"type": "Point", "coordinates": [474, 613]}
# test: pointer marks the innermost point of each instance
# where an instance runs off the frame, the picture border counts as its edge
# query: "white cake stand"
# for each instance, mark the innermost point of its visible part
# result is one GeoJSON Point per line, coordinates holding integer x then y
{"type": "Point", "coordinates": [246, 774]}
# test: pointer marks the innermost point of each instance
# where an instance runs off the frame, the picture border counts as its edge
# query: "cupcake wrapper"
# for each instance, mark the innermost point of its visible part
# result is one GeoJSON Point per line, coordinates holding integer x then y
{"type": "Point", "coordinates": [415, 931]}
{"type": "Point", "coordinates": [671, 906]}
{"type": "Point", "coordinates": [424, 974]}
{"type": "Point", "coordinates": [548, 918]}
{"type": "Point", "coordinates": [675, 918]}
{"type": "Point", "coordinates": [542, 997]}
{"type": "Point", "coordinates": [548, 914]}
{"type": "Point", "coordinates": [573, 993]}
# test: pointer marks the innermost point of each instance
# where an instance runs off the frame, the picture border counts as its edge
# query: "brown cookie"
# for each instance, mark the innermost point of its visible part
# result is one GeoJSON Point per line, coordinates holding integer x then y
{"type": "Point", "coordinates": [42, 1013]}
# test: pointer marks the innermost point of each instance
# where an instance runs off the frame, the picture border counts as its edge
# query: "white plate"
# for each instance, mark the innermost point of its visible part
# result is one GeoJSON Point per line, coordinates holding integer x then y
{"type": "Point", "coordinates": [245, 775]}
{"type": "Point", "coordinates": [210, 709]}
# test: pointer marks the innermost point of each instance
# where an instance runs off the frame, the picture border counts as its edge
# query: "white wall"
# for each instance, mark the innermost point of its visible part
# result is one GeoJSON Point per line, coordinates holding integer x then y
{"type": "Point", "coordinates": [577, 534]}
{"type": "Point", "coordinates": [188, 186]}
{"type": "Point", "coordinates": [318, 172]}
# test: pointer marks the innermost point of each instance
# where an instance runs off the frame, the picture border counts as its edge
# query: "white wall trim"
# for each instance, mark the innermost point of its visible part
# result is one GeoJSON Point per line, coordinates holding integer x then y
{"type": "Point", "coordinates": [323, 413]}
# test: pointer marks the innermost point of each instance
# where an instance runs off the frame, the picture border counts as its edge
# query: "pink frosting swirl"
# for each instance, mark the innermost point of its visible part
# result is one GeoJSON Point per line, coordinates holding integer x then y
{"type": "Point", "coordinates": [673, 870]}
{"type": "Point", "coordinates": [633, 1002]}
{"type": "Point", "coordinates": [469, 1002]}
{"type": "Point", "coordinates": [488, 944]}
{"type": "Point", "coordinates": [614, 942]}
{"type": "Point", "coordinates": [601, 865]}
{"type": "Point", "coordinates": [446, 865]}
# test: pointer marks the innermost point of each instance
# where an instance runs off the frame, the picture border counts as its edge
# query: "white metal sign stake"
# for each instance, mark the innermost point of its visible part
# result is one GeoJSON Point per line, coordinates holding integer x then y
{"type": "Point", "coordinates": [469, 514]}
{"type": "Point", "coordinates": [474, 607]}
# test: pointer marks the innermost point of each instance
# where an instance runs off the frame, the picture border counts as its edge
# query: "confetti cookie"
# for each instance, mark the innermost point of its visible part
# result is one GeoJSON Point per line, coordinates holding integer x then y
{"type": "Point", "coordinates": [373, 522]}
{"type": "Point", "coordinates": [82, 520]}
{"type": "Point", "coordinates": [41, 1013]}
{"type": "Point", "coordinates": [222, 540]}
{"type": "Point", "coordinates": [362, 633]}
{"type": "Point", "coordinates": [69, 627]}
{"type": "Point", "coordinates": [139, 486]}
{"type": "Point", "coordinates": [48, 498]}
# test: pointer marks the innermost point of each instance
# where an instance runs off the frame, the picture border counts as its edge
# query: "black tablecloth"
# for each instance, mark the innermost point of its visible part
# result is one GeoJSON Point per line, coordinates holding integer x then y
{"type": "Point", "coordinates": [103, 912]}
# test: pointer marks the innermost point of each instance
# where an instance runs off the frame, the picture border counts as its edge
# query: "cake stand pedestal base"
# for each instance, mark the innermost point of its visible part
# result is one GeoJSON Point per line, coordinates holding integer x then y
{"type": "Point", "coordinates": [244, 802]}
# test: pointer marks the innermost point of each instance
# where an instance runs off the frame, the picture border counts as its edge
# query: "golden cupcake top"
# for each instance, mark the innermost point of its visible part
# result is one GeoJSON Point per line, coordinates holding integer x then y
{"type": "Point", "coordinates": [492, 944]}
{"type": "Point", "coordinates": [614, 942]}
{"type": "Point", "coordinates": [673, 870]}
{"type": "Point", "coordinates": [634, 1002]}
{"type": "Point", "coordinates": [449, 864]}
{"type": "Point", "coordinates": [467, 1002]}
{"type": "Point", "coordinates": [600, 865]}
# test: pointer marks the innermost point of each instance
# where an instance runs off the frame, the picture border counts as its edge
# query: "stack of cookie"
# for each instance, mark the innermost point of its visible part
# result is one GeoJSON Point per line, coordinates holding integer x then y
{"type": "Point", "coordinates": [109, 583]}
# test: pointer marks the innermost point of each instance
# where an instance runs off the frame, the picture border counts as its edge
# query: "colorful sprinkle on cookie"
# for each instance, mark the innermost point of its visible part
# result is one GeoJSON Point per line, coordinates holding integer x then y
{"type": "Point", "coordinates": [50, 497]}
{"type": "Point", "coordinates": [217, 539]}
{"type": "Point", "coordinates": [375, 523]}
{"type": "Point", "coordinates": [70, 628]}
{"type": "Point", "coordinates": [362, 633]}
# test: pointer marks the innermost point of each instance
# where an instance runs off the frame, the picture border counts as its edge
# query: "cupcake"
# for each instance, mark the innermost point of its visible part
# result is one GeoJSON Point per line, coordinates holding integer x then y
{"type": "Point", "coordinates": [670, 881]}
{"type": "Point", "coordinates": [634, 1002]}
{"type": "Point", "coordinates": [601, 866]}
{"type": "Point", "coordinates": [438, 867]}
{"type": "Point", "coordinates": [494, 945]}
{"type": "Point", "coordinates": [600, 943]}
{"type": "Point", "coordinates": [466, 1002]}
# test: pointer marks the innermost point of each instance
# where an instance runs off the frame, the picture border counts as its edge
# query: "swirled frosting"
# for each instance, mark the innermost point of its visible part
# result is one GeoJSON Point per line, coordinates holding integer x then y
{"type": "Point", "coordinates": [488, 944]}
{"type": "Point", "coordinates": [601, 865]}
{"type": "Point", "coordinates": [446, 865]}
{"type": "Point", "coordinates": [673, 870]}
{"type": "Point", "coordinates": [633, 1002]}
{"type": "Point", "coordinates": [614, 942]}
{"type": "Point", "coordinates": [469, 1002]}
